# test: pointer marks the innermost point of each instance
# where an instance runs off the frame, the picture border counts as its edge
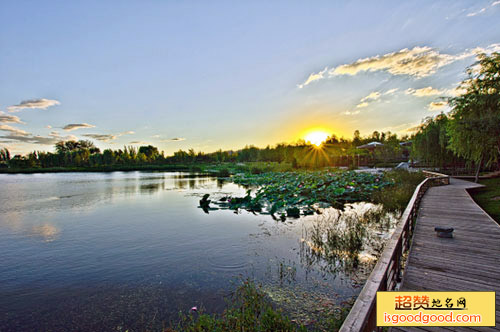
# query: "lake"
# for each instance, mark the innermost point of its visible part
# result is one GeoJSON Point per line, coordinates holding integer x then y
{"type": "Point", "coordinates": [129, 250]}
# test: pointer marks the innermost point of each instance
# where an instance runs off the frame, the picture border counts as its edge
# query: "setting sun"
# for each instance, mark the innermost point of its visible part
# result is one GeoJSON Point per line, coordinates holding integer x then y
{"type": "Point", "coordinates": [316, 137]}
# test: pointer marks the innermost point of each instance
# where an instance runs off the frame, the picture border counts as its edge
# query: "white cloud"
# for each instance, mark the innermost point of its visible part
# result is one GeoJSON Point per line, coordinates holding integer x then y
{"type": "Point", "coordinates": [175, 139]}
{"type": "Point", "coordinates": [23, 137]}
{"type": "Point", "coordinates": [417, 62]}
{"type": "Point", "coordinates": [33, 103]}
{"type": "Point", "coordinates": [437, 105]}
{"type": "Point", "coordinates": [108, 137]}
{"type": "Point", "coordinates": [391, 91]}
{"type": "Point", "coordinates": [102, 137]}
{"type": "Point", "coordinates": [372, 96]}
{"type": "Point", "coordinates": [314, 77]}
{"type": "Point", "coordinates": [351, 112]}
{"type": "Point", "coordinates": [75, 126]}
{"type": "Point", "coordinates": [455, 91]}
{"type": "Point", "coordinates": [482, 10]}
{"type": "Point", "coordinates": [430, 91]}
{"type": "Point", "coordinates": [138, 142]}
{"type": "Point", "coordinates": [5, 118]}
{"type": "Point", "coordinates": [365, 101]}
{"type": "Point", "coordinates": [48, 126]}
{"type": "Point", "coordinates": [56, 134]}
{"type": "Point", "coordinates": [424, 92]}
{"type": "Point", "coordinates": [14, 131]}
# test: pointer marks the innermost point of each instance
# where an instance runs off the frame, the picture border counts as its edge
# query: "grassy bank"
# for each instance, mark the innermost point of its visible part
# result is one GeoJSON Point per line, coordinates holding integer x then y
{"type": "Point", "coordinates": [489, 197]}
{"type": "Point", "coordinates": [250, 310]}
{"type": "Point", "coordinates": [223, 169]}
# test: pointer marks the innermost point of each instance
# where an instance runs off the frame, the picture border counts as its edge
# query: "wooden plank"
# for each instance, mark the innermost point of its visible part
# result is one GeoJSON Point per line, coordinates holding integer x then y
{"type": "Point", "coordinates": [467, 262]}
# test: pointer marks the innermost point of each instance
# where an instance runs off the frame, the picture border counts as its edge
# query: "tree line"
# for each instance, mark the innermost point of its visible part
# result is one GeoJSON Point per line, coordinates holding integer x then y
{"type": "Point", "coordinates": [334, 150]}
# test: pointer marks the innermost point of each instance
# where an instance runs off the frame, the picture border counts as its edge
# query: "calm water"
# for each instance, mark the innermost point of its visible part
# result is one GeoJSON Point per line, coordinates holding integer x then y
{"type": "Point", "coordinates": [117, 251]}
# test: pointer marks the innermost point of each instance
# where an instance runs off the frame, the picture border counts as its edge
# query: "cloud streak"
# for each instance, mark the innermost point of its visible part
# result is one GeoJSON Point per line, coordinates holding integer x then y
{"type": "Point", "coordinates": [437, 105]}
{"type": "Point", "coordinates": [418, 62]}
{"type": "Point", "coordinates": [424, 92]}
{"type": "Point", "coordinates": [5, 118]}
{"type": "Point", "coordinates": [175, 139]}
{"type": "Point", "coordinates": [102, 137]}
{"type": "Point", "coordinates": [13, 130]}
{"type": "Point", "coordinates": [54, 137]}
{"type": "Point", "coordinates": [483, 10]}
{"type": "Point", "coordinates": [108, 137]}
{"type": "Point", "coordinates": [75, 126]}
{"type": "Point", "coordinates": [372, 96]}
{"type": "Point", "coordinates": [33, 104]}
{"type": "Point", "coordinates": [314, 77]}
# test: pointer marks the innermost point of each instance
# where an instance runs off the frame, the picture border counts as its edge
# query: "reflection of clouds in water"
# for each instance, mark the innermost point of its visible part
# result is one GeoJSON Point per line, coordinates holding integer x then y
{"type": "Point", "coordinates": [46, 231]}
{"type": "Point", "coordinates": [11, 220]}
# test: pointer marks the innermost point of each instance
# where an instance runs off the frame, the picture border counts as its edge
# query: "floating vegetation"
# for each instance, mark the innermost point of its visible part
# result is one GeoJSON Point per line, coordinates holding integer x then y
{"type": "Point", "coordinates": [292, 194]}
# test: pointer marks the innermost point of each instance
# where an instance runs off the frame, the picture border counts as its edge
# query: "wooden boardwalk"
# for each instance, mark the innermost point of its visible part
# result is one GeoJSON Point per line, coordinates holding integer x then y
{"type": "Point", "coordinates": [468, 262]}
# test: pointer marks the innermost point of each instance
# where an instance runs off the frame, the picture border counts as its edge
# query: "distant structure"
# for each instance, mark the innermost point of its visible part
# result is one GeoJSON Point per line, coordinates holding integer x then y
{"type": "Point", "coordinates": [370, 146]}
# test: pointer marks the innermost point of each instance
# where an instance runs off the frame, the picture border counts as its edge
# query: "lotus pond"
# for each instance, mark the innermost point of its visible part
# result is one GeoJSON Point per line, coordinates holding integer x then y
{"type": "Point", "coordinates": [131, 250]}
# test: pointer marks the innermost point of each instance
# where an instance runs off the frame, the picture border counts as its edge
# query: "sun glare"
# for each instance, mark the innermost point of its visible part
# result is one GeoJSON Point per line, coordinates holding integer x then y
{"type": "Point", "coordinates": [316, 137]}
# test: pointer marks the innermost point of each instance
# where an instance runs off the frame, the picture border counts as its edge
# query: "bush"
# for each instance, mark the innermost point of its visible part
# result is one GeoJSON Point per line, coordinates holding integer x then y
{"type": "Point", "coordinates": [256, 170]}
{"type": "Point", "coordinates": [223, 173]}
{"type": "Point", "coordinates": [395, 198]}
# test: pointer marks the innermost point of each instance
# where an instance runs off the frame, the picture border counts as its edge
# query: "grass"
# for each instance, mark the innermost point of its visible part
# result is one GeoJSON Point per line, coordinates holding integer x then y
{"type": "Point", "coordinates": [250, 310]}
{"type": "Point", "coordinates": [395, 198]}
{"type": "Point", "coordinates": [489, 197]}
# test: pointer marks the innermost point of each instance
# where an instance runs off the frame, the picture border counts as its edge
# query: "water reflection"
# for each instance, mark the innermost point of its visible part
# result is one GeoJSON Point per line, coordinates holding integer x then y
{"type": "Point", "coordinates": [46, 231]}
{"type": "Point", "coordinates": [104, 251]}
{"type": "Point", "coordinates": [348, 241]}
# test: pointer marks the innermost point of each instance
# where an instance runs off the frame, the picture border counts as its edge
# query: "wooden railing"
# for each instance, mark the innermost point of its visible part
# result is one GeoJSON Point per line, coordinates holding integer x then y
{"type": "Point", "coordinates": [387, 274]}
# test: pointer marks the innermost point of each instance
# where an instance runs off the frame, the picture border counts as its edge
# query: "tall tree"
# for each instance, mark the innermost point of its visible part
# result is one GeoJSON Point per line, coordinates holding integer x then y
{"type": "Point", "coordinates": [474, 126]}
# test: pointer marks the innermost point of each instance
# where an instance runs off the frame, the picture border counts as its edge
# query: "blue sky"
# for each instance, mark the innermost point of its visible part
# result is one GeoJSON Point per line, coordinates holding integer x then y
{"type": "Point", "coordinates": [224, 74]}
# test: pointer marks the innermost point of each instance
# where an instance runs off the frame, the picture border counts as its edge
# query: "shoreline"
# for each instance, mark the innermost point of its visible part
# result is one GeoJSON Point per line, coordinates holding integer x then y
{"type": "Point", "coordinates": [179, 168]}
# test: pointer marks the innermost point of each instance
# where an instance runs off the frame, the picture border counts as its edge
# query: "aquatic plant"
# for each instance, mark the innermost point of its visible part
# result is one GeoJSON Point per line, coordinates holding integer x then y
{"type": "Point", "coordinates": [250, 310]}
{"type": "Point", "coordinates": [292, 194]}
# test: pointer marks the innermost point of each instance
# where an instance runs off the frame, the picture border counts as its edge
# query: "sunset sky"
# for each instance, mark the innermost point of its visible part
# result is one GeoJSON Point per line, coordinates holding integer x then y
{"type": "Point", "coordinates": [224, 74]}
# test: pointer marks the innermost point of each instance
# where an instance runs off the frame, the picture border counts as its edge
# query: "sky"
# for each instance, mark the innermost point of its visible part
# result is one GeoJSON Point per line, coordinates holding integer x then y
{"type": "Point", "coordinates": [225, 74]}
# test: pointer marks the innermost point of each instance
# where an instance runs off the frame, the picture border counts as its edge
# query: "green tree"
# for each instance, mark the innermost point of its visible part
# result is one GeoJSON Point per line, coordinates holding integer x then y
{"type": "Point", "coordinates": [4, 155]}
{"type": "Point", "coordinates": [430, 142]}
{"type": "Point", "coordinates": [151, 152]}
{"type": "Point", "coordinates": [474, 126]}
{"type": "Point", "coordinates": [70, 146]}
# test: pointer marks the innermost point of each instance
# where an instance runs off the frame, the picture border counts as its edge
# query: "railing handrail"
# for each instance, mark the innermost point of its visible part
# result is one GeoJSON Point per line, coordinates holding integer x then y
{"type": "Point", "coordinates": [387, 272]}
